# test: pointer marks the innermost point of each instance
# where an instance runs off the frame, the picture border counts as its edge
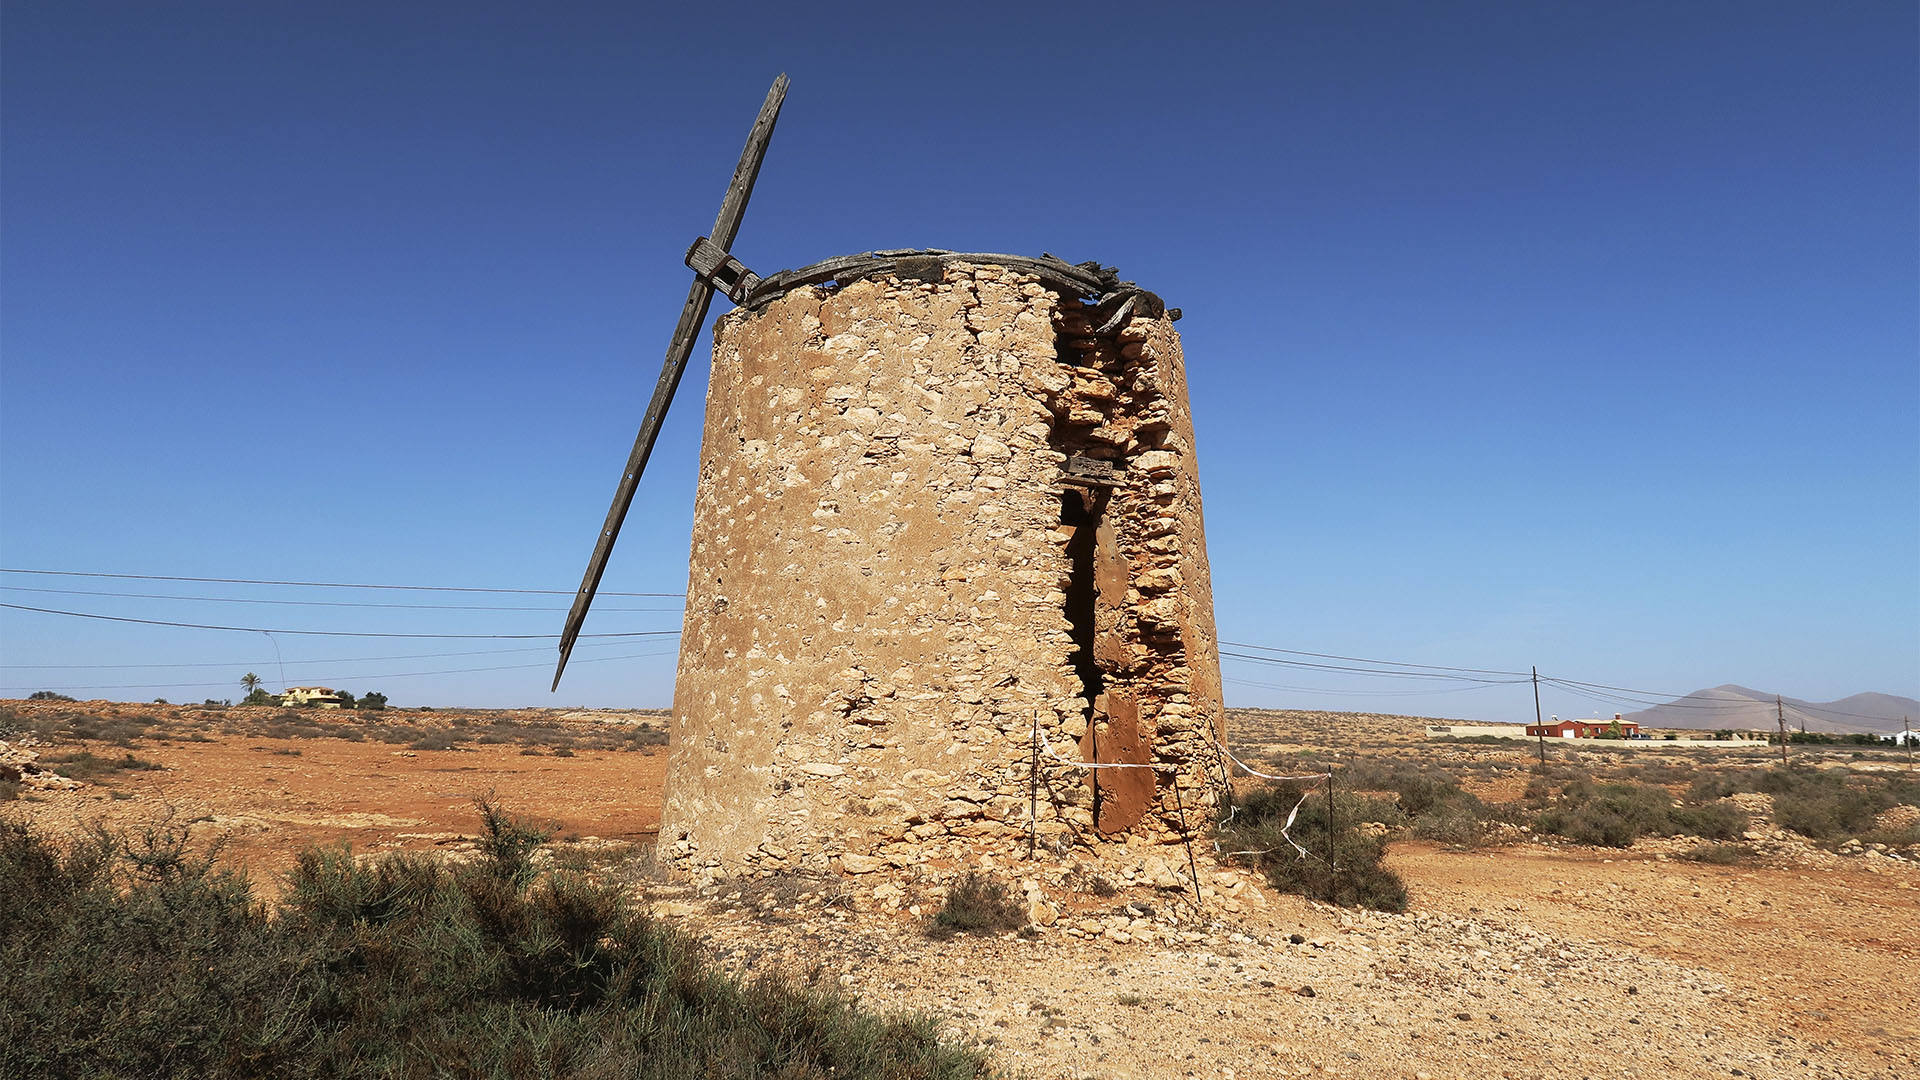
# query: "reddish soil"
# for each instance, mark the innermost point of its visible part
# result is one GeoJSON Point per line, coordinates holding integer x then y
{"type": "Point", "coordinates": [1827, 953]}
{"type": "Point", "coordinates": [1530, 960]}
{"type": "Point", "coordinates": [272, 798]}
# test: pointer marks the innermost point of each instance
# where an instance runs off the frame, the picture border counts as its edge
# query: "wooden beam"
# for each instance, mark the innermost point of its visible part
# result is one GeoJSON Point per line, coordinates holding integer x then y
{"type": "Point", "coordinates": [693, 314]}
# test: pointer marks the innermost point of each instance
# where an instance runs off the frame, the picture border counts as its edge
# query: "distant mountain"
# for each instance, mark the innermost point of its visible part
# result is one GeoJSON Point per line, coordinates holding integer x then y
{"type": "Point", "coordinates": [1742, 709]}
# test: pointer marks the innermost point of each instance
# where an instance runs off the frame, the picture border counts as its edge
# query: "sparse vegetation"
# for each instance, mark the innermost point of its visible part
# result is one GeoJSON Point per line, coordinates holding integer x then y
{"type": "Point", "coordinates": [1830, 804]}
{"type": "Point", "coordinates": [1719, 854]}
{"type": "Point", "coordinates": [1295, 859]}
{"type": "Point", "coordinates": [508, 843]}
{"type": "Point", "coordinates": [368, 720]}
{"type": "Point", "coordinates": [977, 904]}
{"type": "Point", "coordinates": [1428, 802]}
{"type": "Point", "coordinates": [1617, 814]}
{"type": "Point", "coordinates": [139, 957]}
{"type": "Point", "coordinates": [85, 765]}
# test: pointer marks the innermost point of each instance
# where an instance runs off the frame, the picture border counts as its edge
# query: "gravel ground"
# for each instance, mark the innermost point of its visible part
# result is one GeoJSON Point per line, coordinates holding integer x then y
{"type": "Point", "coordinates": [1468, 984]}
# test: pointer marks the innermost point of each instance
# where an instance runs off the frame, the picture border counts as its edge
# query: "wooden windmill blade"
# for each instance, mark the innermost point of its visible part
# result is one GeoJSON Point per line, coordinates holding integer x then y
{"type": "Point", "coordinates": [713, 268]}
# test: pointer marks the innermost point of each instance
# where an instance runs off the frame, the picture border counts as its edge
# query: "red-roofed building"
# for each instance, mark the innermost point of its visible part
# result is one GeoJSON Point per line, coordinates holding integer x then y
{"type": "Point", "coordinates": [1586, 729]}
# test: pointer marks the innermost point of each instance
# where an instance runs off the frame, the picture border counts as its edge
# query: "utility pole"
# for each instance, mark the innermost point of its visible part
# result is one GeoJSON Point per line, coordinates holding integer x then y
{"type": "Point", "coordinates": [1906, 736]}
{"type": "Point", "coordinates": [1780, 712]}
{"type": "Point", "coordinates": [1538, 725]}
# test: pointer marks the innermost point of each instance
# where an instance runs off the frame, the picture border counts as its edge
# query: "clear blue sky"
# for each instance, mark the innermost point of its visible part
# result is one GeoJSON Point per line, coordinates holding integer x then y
{"type": "Point", "coordinates": [1573, 335]}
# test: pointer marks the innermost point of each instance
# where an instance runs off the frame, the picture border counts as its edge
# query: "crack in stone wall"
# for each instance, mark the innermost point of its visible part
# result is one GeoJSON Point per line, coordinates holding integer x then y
{"type": "Point", "coordinates": [877, 599]}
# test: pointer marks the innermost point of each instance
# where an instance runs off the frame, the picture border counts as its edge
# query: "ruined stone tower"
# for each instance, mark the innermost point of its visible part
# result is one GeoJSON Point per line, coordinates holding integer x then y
{"type": "Point", "coordinates": [948, 521]}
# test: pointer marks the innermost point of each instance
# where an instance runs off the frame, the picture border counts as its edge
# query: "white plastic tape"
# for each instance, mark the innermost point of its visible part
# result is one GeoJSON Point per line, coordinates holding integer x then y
{"type": "Point", "coordinates": [1265, 776]}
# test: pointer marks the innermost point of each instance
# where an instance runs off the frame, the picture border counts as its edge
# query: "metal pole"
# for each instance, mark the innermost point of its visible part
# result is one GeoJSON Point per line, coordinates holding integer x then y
{"type": "Point", "coordinates": [1193, 867]}
{"type": "Point", "coordinates": [1538, 725]}
{"type": "Point", "coordinates": [1033, 790]}
{"type": "Point", "coordinates": [1332, 884]}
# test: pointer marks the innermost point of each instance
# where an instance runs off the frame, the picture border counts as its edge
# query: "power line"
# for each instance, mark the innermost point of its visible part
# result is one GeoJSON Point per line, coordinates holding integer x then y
{"type": "Point", "coordinates": [296, 663]}
{"type": "Point", "coordinates": [365, 678]}
{"type": "Point", "coordinates": [1381, 672]}
{"type": "Point", "coordinates": [1598, 692]}
{"type": "Point", "coordinates": [1650, 698]}
{"type": "Point", "coordinates": [305, 603]}
{"type": "Point", "coordinates": [1369, 660]}
{"type": "Point", "coordinates": [320, 584]}
{"type": "Point", "coordinates": [1621, 689]}
{"type": "Point", "coordinates": [1823, 710]}
{"type": "Point", "coordinates": [325, 633]}
{"type": "Point", "coordinates": [1357, 693]}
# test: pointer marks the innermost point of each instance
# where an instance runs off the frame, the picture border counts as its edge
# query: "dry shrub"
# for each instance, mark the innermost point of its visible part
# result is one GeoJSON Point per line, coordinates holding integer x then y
{"type": "Point", "coordinates": [1615, 815]}
{"type": "Point", "coordinates": [143, 959]}
{"type": "Point", "coordinates": [1718, 854]}
{"type": "Point", "coordinates": [1356, 875]}
{"type": "Point", "coordinates": [977, 904]}
{"type": "Point", "coordinates": [85, 765]}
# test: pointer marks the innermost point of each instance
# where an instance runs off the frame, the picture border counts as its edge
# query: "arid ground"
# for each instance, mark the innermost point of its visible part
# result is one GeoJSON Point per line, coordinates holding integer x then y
{"type": "Point", "coordinates": [1524, 957]}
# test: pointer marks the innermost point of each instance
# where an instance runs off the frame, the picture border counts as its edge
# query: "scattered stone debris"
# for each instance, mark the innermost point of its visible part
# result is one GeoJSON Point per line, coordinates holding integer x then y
{"type": "Point", "coordinates": [20, 765]}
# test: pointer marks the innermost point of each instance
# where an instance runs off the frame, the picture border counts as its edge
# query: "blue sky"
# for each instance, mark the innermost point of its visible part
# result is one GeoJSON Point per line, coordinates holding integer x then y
{"type": "Point", "coordinates": [1572, 336]}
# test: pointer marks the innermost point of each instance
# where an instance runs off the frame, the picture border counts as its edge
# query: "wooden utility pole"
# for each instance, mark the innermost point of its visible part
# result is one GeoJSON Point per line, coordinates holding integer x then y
{"type": "Point", "coordinates": [1538, 724]}
{"type": "Point", "coordinates": [1780, 713]}
{"type": "Point", "coordinates": [1906, 736]}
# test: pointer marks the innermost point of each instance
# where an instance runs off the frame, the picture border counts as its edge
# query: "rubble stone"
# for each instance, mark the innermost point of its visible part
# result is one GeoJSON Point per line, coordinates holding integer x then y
{"type": "Point", "coordinates": [898, 599]}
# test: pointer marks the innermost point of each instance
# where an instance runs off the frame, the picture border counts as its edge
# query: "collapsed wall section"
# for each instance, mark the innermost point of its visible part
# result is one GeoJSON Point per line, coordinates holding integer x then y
{"type": "Point", "coordinates": [906, 581]}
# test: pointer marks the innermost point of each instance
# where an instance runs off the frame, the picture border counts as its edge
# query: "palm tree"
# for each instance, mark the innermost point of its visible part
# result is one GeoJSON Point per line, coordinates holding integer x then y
{"type": "Point", "coordinates": [251, 682]}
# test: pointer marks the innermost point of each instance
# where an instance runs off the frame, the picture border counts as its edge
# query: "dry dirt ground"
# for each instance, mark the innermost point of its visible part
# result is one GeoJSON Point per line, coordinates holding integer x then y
{"type": "Point", "coordinates": [1528, 960]}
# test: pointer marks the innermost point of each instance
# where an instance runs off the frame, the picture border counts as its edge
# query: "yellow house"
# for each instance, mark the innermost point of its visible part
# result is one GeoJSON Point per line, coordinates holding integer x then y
{"type": "Point", "coordinates": [317, 696]}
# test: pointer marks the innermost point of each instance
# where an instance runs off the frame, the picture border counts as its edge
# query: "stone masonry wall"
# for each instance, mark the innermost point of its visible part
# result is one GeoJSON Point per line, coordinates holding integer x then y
{"type": "Point", "coordinates": [891, 588]}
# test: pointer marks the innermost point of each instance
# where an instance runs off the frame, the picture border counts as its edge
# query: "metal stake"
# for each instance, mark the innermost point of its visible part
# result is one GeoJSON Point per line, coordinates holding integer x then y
{"type": "Point", "coordinates": [1033, 791]}
{"type": "Point", "coordinates": [1187, 835]}
{"type": "Point", "coordinates": [1332, 882]}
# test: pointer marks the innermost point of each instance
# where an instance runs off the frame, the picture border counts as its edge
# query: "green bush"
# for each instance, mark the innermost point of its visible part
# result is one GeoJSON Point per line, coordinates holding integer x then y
{"type": "Point", "coordinates": [977, 904]}
{"type": "Point", "coordinates": [1615, 815]}
{"type": "Point", "coordinates": [1822, 804]}
{"type": "Point", "coordinates": [1826, 813]}
{"type": "Point", "coordinates": [508, 843]}
{"type": "Point", "coordinates": [1717, 820]}
{"type": "Point", "coordinates": [1608, 815]}
{"type": "Point", "coordinates": [1253, 830]}
{"type": "Point", "coordinates": [1460, 825]}
{"type": "Point", "coordinates": [140, 959]}
{"type": "Point", "coordinates": [1428, 802]}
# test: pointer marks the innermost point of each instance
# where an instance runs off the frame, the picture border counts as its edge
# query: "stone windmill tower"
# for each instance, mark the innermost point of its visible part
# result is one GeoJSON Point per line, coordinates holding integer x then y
{"type": "Point", "coordinates": [947, 555]}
